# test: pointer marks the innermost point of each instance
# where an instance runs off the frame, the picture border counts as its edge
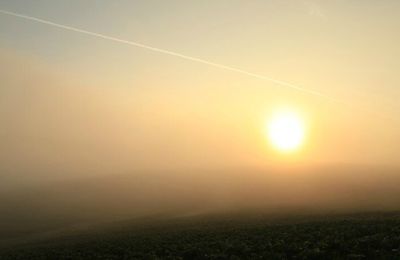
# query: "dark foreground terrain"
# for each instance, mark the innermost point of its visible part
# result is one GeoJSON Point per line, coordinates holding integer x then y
{"type": "Point", "coordinates": [256, 236]}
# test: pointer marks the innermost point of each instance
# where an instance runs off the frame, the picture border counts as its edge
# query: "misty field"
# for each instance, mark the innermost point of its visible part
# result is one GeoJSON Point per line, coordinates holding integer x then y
{"type": "Point", "coordinates": [235, 236]}
{"type": "Point", "coordinates": [153, 129]}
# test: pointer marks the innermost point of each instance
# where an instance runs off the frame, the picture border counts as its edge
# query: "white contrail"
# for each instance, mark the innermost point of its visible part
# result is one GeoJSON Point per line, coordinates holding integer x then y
{"type": "Point", "coordinates": [182, 56]}
{"type": "Point", "coordinates": [172, 53]}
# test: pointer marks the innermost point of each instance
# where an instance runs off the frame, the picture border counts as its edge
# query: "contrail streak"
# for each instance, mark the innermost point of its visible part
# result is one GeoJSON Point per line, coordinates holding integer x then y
{"type": "Point", "coordinates": [171, 53]}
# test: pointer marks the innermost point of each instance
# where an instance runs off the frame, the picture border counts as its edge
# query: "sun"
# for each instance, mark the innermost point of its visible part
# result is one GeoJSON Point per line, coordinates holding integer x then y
{"type": "Point", "coordinates": [286, 131]}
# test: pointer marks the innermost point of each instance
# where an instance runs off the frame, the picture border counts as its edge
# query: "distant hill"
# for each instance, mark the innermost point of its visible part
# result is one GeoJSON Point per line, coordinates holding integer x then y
{"type": "Point", "coordinates": [58, 206]}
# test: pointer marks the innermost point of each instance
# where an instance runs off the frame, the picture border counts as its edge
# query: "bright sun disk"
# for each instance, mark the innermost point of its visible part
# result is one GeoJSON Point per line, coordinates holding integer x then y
{"type": "Point", "coordinates": [286, 131]}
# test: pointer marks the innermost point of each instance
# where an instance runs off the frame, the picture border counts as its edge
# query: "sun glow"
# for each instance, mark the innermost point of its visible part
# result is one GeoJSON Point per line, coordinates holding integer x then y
{"type": "Point", "coordinates": [286, 131]}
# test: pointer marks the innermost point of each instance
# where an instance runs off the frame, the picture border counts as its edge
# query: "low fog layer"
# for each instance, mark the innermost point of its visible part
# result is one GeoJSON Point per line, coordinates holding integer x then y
{"type": "Point", "coordinates": [62, 205]}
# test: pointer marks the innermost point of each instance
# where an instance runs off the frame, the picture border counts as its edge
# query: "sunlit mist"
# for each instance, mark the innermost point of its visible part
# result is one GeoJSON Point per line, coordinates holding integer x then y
{"type": "Point", "coordinates": [117, 110]}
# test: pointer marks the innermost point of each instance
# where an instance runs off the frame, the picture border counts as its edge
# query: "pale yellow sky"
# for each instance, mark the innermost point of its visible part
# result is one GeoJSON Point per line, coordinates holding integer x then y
{"type": "Point", "coordinates": [76, 103]}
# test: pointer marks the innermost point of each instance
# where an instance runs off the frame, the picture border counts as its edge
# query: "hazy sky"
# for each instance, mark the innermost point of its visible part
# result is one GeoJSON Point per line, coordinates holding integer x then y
{"type": "Point", "coordinates": [71, 102]}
